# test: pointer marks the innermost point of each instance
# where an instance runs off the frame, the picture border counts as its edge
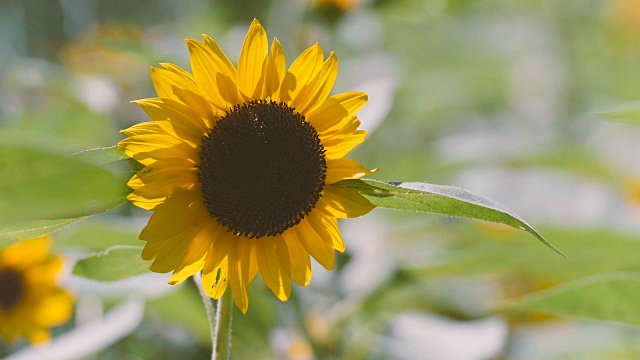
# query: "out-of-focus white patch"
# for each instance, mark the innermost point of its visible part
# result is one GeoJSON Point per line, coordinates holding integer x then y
{"type": "Point", "coordinates": [617, 144]}
{"type": "Point", "coordinates": [98, 93]}
{"type": "Point", "coordinates": [479, 141]}
{"type": "Point", "coordinates": [87, 339]}
{"type": "Point", "coordinates": [30, 73]}
{"type": "Point", "coordinates": [372, 263]}
{"type": "Point", "coordinates": [422, 336]}
{"type": "Point", "coordinates": [541, 195]}
{"type": "Point", "coordinates": [361, 29]}
{"type": "Point", "coordinates": [381, 91]}
{"type": "Point", "coordinates": [375, 74]}
{"type": "Point", "coordinates": [290, 345]}
{"type": "Point", "coordinates": [472, 296]}
{"type": "Point", "coordinates": [572, 340]}
{"type": "Point", "coordinates": [233, 40]}
{"type": "Point", "coordinates": [149, 285]}
{"type": "Point", "coordinates": [168, 44]}
{"type": "Point", "coordinates": [538, 83]}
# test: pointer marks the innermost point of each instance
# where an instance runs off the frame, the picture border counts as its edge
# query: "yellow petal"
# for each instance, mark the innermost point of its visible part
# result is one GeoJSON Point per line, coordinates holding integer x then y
{"type": "Point", "coordinates": [274, 265]}
{"type": "Point", "coordinates": [152, 248]}
{"type": "Point", "coordinates": [26, 253]}
{"type": "Point", "coordinates": [183, 272]}
{"type": "Point", "coordinates": [148, 149]}
{"type": "Point", "coordinates": [223, 64]}
{"type": "Point", "coordinates": [169, 255]}
{"type": "Point", "coordinates": [253, 263]}
{"type": "Point", "coordinates": [157, 181]}
{"type": "Point", "coordinates": [166, 82]}
{"type": "Point", "coordinates": [193, 259]}
{"type": "Point", "coordinates": [143, 202]}
{"type": "Point", "coordinates": [9, 328]}
{"type": "Point", "coordinates": [54, 308]}
{"type": "Point", "coordinates": [174, 250]}
{"type": "Point", "coordinates": [343, 203]}
{"type": "Point", "coordinates": [317, 90]}
{"type": "Point", "coordinates": [191, 96]}
{"type": "Point", "coordinates": [165, 171]}
{"type": "Point", "coordinates": [343, 168]}
{"type": "Point", "coordinates": [339, 145]}
{"type": "Point", "coordinates": [44, 272]}
{"type": "Point", "coordinates": [275, 70]}
{"type": "Point", "coordinates": [304, 68]}
{"type": "Point", "coordinates": [300, 260]}
{"type": "Point", "coordinates": [221, 246]}
{"type": "Point", "coordinates": [215, 278]}
{"type": "Point", "coordinates": [327, 226]}
{"type": "Point", "coordinates": [179, 120]}
{"type": "Point", "coordinates": [36, 334]}
{"type": "Point", "coordinates": [181, 211]}
{"type": "Point", "coordinates": [335, 111]}
{"type": "Point", "coordinates": [145, 128]}
{"type": "Point", "coordinates": [252, 62]}
{"type": "Point", "coordinates": [285, 264]}
{"type": "Point", "coordinates": [212, 76]}
{"type": "Point", "coordinates": [239, 269]}
{"type": "Point", "coordinates": [314, 244]}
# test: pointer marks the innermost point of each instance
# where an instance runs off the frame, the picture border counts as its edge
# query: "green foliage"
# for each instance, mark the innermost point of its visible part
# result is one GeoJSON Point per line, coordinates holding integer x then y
{"type": "Point", "coordinates": [47, 191]}
{"type": "Point", "coordinates": [604, 297]}
{"type": "Point", "coordinates": [48, 186]}
{"type": "Point", "coordinates": [184, 308]}
{"type": "Point", "coordinates": [96, 234]}
{"type": "Point", "coordinates": [438, 199]}
{"type": "Point", "coordinates": [627, 113]}
{"type": "Point", "coordinates": [591, 252]}
{"type": "Point", "coordinates": [115, 263]}
{"type": "Point", "coordinates": [10, 233]}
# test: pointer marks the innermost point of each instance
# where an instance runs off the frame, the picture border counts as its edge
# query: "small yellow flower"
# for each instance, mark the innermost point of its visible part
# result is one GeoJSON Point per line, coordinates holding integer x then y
{"type": "Point", "coordinates": [240, 164]}
{"type": "Point", "coordinates": [30, 300]}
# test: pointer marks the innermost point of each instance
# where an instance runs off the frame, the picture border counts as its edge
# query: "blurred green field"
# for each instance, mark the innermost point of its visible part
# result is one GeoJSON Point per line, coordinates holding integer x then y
{"type": "Point", "coordinates": [533, 104]}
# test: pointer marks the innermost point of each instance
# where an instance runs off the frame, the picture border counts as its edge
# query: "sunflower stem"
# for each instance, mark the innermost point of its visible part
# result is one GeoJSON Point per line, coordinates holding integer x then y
{"type": "Point", "coordinates": [208, 306]}
{"type": "Point", "coordinates": [222, 336]}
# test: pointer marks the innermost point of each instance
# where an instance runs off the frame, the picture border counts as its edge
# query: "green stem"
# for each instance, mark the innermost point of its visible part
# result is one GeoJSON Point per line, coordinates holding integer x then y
{"type": "Point", "coordinates": [208, 306]}
{"type": "Point", "coordinates": [222, 336]}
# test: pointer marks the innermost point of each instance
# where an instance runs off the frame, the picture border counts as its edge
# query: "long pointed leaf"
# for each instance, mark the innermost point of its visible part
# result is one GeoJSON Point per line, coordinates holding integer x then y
{"type": "Point", "coordinates": [439, 199]}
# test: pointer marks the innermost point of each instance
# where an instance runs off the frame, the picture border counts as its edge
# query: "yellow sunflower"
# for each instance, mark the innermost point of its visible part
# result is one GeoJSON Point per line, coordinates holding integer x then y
{"type": "Point", "coordinates": [30, 300]}
{"type": "Point", "coordinates": [240, 165]}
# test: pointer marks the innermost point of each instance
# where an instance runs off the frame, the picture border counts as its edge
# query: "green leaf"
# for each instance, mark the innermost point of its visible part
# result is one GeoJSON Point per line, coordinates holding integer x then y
{"type": "Point", "coordinates": [438, 199]}
{"type": "Point", "coordinates": [182, 307]}
{"type": "Point", "coordinates": [115, 263]}
{"type": "Point", "coordinates": [103, 232]}
{"type": "Point", "coordinates": [40, 185]}
{"type": "Point", "coordinates": [101, 156]}
{"type": "Point", "coordinates": [112, 158]}
{"type": "Point", "coordinates": [611, 296]}
{"type": "Point", "coordinates": [10, 233]}
{"type": "Point", "coordinates": [477, 253]}
{"type": "Point", "coordinates": [627, 113]}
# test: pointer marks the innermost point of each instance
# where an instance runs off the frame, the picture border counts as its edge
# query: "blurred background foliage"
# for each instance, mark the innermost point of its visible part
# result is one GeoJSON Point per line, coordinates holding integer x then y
{"type": "Point", "coordinates": [511, 100]}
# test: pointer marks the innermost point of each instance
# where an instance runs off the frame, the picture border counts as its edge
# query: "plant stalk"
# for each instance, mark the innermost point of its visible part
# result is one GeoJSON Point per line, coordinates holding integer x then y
{"type": "Point", "coordinates": [222, 337]}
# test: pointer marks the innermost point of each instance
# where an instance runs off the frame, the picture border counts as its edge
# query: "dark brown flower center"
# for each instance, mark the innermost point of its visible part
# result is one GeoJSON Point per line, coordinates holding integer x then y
{"type": "Point", "coordinates": [262, 169]}
{"type": "Point", "coordinates": [12, 288]}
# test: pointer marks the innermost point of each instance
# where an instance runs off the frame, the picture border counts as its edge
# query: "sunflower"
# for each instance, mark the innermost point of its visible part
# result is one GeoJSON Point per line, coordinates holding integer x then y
{"type": "Point", "coordinates": [240, 166]}
{"type": "Point", "coordinates": [30, 300]}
